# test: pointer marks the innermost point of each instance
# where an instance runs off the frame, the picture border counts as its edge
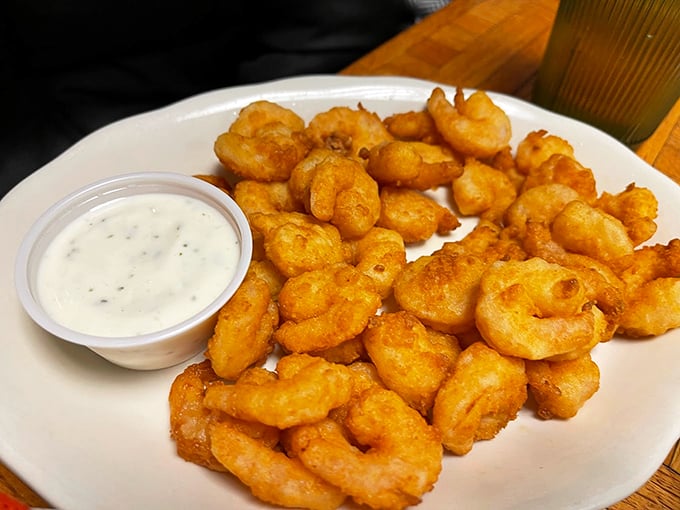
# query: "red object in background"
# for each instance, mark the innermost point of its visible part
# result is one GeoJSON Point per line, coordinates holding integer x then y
{"type": "Point", "coordinates": [7, 502]}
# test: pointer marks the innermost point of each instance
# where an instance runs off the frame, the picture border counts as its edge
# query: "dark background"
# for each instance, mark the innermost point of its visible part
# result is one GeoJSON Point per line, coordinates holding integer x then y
{"type": "Point", "coordinates": [68, 67]}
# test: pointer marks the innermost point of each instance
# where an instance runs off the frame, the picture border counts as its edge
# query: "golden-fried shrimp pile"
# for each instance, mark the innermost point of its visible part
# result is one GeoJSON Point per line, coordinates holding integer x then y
{"type": "Point", "coordinates": [381, 365]}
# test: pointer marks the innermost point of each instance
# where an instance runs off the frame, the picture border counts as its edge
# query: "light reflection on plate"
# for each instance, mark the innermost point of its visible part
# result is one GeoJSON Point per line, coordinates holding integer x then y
{"type": "Point", "coordinates": [91, 435]}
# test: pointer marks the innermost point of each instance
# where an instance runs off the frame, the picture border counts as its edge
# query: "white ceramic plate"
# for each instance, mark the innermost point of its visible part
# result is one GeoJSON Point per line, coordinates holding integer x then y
{"type": "Point", "coordinates": [88, 435]}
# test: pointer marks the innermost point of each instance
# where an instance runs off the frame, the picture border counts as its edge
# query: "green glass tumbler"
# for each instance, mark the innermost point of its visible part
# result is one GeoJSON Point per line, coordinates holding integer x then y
{"type": "Point", "coordinates": [614, 64]}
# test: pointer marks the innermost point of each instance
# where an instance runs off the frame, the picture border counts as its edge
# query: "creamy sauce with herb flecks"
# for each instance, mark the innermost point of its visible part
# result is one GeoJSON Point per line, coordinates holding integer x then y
{"type": "Point", "coordinates": [137, 265]}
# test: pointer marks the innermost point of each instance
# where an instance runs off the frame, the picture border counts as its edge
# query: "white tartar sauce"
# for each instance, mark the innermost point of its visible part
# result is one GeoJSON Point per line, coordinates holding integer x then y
{"type": "Point", "coordinates": [137, 265]}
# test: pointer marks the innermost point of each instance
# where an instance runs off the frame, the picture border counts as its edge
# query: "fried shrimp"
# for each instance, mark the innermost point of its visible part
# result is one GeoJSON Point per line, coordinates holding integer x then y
{"type": "Point", "coordinates": [414, 215]}
{"type": "Point", "coordinates": [581, 228]}
{"type": "Point", "coordinates": [411, 359]}
{"type": "Point", "coordinates": [415, 165]}
{"type": "Point", "coordinates": [636, 207]}
{"type": "Point", "coordinates": [534, 309]}
{"type": "Point", "coordinates": [265, 197]}
{"type": "Point", "coordinates": [347, 130]}
{"type": "Point", "coordinates": [413, 126]}
{"type": "Point", "coordinates": [562, 169]}
{"type": "Point", "coordinates": [190, 420]}
{"type": "Point", "coordinates": [397, 458]}
{"type": "Point", "coordinates": [325, 307]}
{"type": "Point", "coordinates": [537, 147]}
{"type": "Point", "coordinates": [483, 191]}
{"type": "Point", "coordinates": [561, 388]}
{"type": "Point", "coordinates": [441, 290]}
{"type": "Point", "coordinates": [243, 334]}
{"type": "Point", "coordinates": [380, 255]}
{"type": "Point", "coordinates": [297, 242]}
{"type": "Point", "coordinates": [264, 143]}
{"type": "Point", "coordinates": [474, 126]}
{"type": "Point", "coordinates": [652, 290]}
{"type": "Point", "coordinates": [271, 475]}
{"type": "Point", "coordinates": [306, 396]}
{"type": "Point", "coordinates": [539, 204]}
{"type": "Point", "coordinates": [484, 392]}
{"type": "Point", "coordinates": [337, 189]}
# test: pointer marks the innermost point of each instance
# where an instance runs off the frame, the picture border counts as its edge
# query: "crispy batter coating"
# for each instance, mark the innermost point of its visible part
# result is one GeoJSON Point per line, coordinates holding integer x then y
{"type": "Point", "coordinates": [347, 130]}
{"type": "Point", "coordinates": [562, 169]}
{"type": "Point", "coordinates": [413, 126]}
{"type": "Point", "coordinates": [581, 228]}
{"type": "Point", "coordinates": [441, 290]}
{"type": "Point", "coordinates": [474, 126]}
{"type": "Point", "coordinates": [324, 308]}
{"type": "Point", "coordinates": [265, 197]}
{"type": "Point", "coordinates": [652, 290]}
{"type": "Point", "coordinates": [637, 208]}
{"type": "Point", "coordinates": [415, 165]}
{"type": "Point", "coordinates": [399, 459]}
{"type": "Point", "coordinates": [336, 189]}
{"type": "Point", "coordinates": [296, 242]}
{"type": "Point", "coordinates": [561, 388]}
{"type": "Point", "coordinates": [271, 475]}
{"type": "Point", "coordinates": [190, 420]}
{"type": "Point", "coordinates": [534, 309]}
{"type": "Point", "coordinates": [536, 147]}
{"type": "Point", "coordinates": [414, 215]}
{"type": "Point", "coordinates": [483, 191]}
{"type": "Point", "coordinates": [218, 181]}
{"type": "Point", "coordinates": [411, 359]}
{"type": "Point", "coordinates": [482, 395]}
{"type": "Point", "coordinates": [380, 255]}
{"type": "Point", "coordinates": [269, 155]}
{"type": "Point", "coordinates": [304, 397]}
{"type": "Point", "coordinates": [538, 204]}
{"type": "Point", "coordinates": [243, 334]}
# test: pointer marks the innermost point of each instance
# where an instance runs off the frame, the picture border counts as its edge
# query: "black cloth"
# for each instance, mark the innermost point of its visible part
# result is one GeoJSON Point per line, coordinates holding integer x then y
{"type": "Point", "coordinates": [68, 67]}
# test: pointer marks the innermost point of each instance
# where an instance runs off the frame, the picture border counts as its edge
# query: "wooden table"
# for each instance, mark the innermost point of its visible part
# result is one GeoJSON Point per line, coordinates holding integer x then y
{"type": "Point", "coordinates": [493, 45]}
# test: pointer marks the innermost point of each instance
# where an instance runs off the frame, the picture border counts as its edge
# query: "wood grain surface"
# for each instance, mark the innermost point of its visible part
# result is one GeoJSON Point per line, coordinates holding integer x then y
{"type": "Point", "coordinates": [494, 45]}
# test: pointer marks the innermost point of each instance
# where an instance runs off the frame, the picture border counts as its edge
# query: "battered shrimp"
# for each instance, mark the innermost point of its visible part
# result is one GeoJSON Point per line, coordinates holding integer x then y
{"type": "Point", "coordinates": [399, 459]}
{"type": "Point", "coordinates": [441, 290]}
{"type": "Point", "coordinates": [190, 419]}
{"type": "Point", "coordinates": [413, 126]}
{"type": "Point", "coordinates": [533, 309]}
{"type": "Point", "coordinates": [265, 197]}
{"type": "Point", "coordinates": [244, 329]}
{"type": "Point", "coordinates": [539, 204]}
{"type": "Point", "coordinates": [486, 241]}
{"type": "Point", "coordinates": [414, 215]}
{"type": "Point", "coordinates": [411, 359]}
{"type": "Point", "coordinates": [561, 388]}
{"type": "Point", "coordinates": [562, 169]}
{"type": "Point", "coordinates": [347, 130]}
{"type": "Point", "coordinates": [483, 191]}
{"type": "Point", "coordinates": [380, 255]}
{"type": "Point", "coordinates": [263, 143]}
{"type": "Point", "coordinates": [337, 189]}
{"type": "Point", "coordinates": [602, 286]}
{"type": "Point", "coordinates": [484, 392]}
{"type": "Point", "coordinates": [637, 208]}
{"type": "Point", "coordinates": [296, 242]}
{"type": "Point", "coordinates": [271, 475]}
{"type": "Point", "coordinates": [537, 147]}
{"type": "Point", "coordinates": [474, 126]}
{"type": "Point", "coordinates": [325, 307]}
{"type": "Point", "coordinates": [414, 165]}
{"type": "Point", "coordinates": [652, 279]}
{"type": "Point", "coordinates": [584, 229]}
{"type": "Point", "coordinates": [306, 396]}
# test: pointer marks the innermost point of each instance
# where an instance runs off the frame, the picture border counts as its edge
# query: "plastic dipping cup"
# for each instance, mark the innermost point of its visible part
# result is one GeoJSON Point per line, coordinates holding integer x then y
{"type": "Point", "coordinates": [614, 64]}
